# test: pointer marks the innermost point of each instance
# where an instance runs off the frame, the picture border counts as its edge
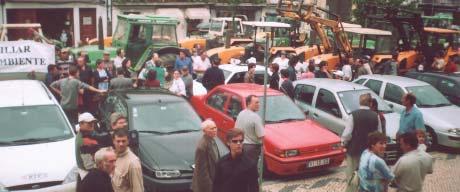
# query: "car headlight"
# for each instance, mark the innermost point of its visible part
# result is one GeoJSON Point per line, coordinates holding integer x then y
{"type": "Point", "coordinates": [336, 146]}
{"type": "Point", "coordinates": [167, 174]}
{"type": "Point", "coordinates": [455, 131]}
{"type": "Point", "coordinates": [71, 176]}
{"type": "Point", "coordinates": [3, 188]}
{"type": "Point", "coordinates": [291, 153]}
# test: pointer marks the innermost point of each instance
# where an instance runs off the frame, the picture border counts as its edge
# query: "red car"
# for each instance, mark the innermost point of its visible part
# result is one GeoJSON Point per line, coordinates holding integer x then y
{"type": "Point", "coordinates": [292, 143]}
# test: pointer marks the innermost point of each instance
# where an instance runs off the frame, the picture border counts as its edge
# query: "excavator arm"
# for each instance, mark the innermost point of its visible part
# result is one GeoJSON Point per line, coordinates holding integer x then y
{"type": "Point", "coordinates": [298, 11]}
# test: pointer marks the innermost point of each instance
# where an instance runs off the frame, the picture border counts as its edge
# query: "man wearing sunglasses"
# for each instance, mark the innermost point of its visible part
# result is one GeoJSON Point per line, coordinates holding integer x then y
{"type": "Point", "coordinates": [235, 171]}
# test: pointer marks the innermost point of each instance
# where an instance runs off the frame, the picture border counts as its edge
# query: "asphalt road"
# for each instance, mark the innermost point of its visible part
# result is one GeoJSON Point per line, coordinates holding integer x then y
{"type": "Point", "coordinates": [446, 177]}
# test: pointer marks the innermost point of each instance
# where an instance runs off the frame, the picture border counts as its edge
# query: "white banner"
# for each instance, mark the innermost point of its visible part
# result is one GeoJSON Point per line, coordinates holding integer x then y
{"type": "Point", "coordinates": [25, 56]}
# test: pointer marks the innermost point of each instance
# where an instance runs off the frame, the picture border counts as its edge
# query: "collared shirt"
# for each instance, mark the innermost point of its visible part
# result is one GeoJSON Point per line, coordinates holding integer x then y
{"type": "Point", "coordinates": [283, 63]}
{"type": "Point", "coordinates": [251, 123]}
{"type": "Point", "coordinates": [200, 65]}
{"type": "Point", "coordinates": [346, 135]}
{"type": "Point", "coordinates": [127, 176]}
{"type": "Point", "coordinates": [372, 170]}
{"type": "Point", "coordinates": [347, 72]}
{"type": "Point", "coordinates": [181, 63]}
{"type": "Point", "coordinates": [411, 120]}
{"type": "Point", "coordinates": [178, 87]}
{"type": "Point", "coordinates": [410, 170]}
{"type": "Point", "coordinates": [117, 62]}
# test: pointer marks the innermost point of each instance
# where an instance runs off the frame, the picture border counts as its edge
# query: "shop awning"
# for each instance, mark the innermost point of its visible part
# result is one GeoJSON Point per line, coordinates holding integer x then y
{"type": "Point", "coordinates": [198, 13]}
{"type": "Point", "coordinates": [170, 12]}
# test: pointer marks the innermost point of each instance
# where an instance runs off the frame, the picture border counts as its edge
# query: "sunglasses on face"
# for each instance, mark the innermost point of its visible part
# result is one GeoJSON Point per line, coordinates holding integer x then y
{"type": "Point", "coordinates": [237, 141]}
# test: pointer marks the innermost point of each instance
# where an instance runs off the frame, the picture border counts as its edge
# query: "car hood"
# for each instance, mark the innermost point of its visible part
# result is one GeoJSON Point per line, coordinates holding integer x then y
{"type": "Point", "coordinates": [169, 152]}
{"type": "Point", "coordinates": [441, 118]}
{"type": "Point", "coordinates": [36, 163]}
{"type": "Point", "coordinates": [392, 124]}
{"type": "Point", "coordinates": [298, 134]}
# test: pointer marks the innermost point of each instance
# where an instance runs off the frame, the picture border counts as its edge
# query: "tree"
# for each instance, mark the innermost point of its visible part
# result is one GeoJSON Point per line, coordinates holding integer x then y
{"type": "Point", "coordinates": [359, 12]}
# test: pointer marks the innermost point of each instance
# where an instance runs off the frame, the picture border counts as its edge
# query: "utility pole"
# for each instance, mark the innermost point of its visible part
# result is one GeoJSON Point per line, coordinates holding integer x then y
{"type": "Point", "coordinates": [108, 8]}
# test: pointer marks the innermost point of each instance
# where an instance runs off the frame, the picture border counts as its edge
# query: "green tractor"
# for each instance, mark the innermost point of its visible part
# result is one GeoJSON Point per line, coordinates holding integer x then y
{"type": "Point", "coordinates": [140, 36]}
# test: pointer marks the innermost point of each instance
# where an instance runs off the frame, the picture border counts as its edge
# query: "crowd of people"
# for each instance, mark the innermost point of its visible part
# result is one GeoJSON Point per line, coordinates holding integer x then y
{"type": "Point", "coordinates": [366, 170]}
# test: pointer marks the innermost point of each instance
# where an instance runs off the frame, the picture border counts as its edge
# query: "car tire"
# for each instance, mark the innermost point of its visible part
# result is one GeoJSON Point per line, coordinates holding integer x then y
{"type": "Point", "coordinates": [431, 139]}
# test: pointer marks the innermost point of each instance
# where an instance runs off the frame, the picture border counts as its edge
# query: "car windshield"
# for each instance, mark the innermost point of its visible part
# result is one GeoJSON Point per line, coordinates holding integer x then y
{"type": "Point", "coordinates": [120, 30]}
{"type": "Point", "coordinates": [165, 118]}
{"type": "Point", "coordinates": [32, 124]}
{"type": "Point", "coordinates": [428, 96]}
{"type": "Point", "coordinates": [280, 108]}
{"type": "Point", "coordinates": [164, 34]}
{"type": "Point", "coordinates": [350, 100]}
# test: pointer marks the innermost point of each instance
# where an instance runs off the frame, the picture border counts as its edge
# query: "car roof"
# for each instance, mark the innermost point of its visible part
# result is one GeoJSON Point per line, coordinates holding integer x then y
{"type": "Point", "coordinates": [397, 80]}
{"type": "Point", "coordinates": [333, 85]}
{"type": "Point", "coordinates": [266, 24]}
{"type": "Point", "coordinates": [142, 96]}
{"type": "Point", "coordinates": [246, 89]}
{"type": "Point", "coordinates": [451, 76]}
{"type": "Point", "coordinates": [24, 93]}
{"type": "Point", "coordinates": [239, 68]}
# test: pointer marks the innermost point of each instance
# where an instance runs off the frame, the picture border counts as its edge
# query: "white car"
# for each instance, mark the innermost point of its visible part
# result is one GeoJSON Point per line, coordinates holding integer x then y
{"type": "Point", "coordinates": [331, 101]}
{"type": "Point", "coordinates": [439, 114]}
{"type": "Point", "coordinates": [36, 140]}
{"type": "Point", "coordinates": [233, 73]}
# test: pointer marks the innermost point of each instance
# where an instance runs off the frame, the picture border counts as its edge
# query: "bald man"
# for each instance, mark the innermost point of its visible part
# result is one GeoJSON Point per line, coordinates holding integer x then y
{"type": "Point", "coordinates": [206, 156]}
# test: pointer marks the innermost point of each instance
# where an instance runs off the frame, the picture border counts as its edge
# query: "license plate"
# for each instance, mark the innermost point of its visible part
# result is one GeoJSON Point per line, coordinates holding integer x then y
{"type": "Point", "coordinates": [317, 163]}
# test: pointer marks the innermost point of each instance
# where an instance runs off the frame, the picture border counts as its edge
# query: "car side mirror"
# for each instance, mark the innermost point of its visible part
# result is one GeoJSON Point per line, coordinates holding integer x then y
{"type": "Point", "coordinates": [306, 112]}
{"type": "Point", "coordinates": [391, 106]}
{"type": "Point", "coordinates": [133, 138]}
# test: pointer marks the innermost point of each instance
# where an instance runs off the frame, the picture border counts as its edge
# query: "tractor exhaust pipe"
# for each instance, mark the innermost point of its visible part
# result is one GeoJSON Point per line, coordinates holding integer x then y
{"type": "Point", "coordinates": [100, 35]}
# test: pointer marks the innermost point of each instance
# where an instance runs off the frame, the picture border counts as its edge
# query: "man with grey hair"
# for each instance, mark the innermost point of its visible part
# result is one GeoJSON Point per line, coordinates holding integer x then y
{"type": "Point", "coordinates": [98, 179]}
{"type": "Point", "coordinates": [206, 156]}
{"type": "Point", "coordinates": [361, 122]}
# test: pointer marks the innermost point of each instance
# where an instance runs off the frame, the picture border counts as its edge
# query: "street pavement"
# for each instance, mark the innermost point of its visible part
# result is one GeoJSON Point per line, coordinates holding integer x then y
{"type": "Point", "coordinates": [446, 177]}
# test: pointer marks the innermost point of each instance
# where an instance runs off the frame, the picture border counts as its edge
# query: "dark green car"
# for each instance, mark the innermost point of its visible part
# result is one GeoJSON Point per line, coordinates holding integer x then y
{"type": "Point", "coordinates": [168, 132]}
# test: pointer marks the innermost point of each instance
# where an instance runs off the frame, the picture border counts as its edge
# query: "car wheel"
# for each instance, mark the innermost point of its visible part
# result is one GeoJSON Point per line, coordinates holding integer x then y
{"type": "Point", "coordinates": [431, 139]}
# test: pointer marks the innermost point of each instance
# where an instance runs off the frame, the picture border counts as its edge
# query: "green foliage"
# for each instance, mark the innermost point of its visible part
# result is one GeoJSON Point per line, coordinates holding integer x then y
{"type": "Point", "coordinates": [359, 12]}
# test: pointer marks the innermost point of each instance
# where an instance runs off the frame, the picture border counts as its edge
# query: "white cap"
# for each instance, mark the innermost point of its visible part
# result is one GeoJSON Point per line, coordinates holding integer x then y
{"type": "Point", "coordinates": [86, 117]}
{"type": "Point", "coordinates": [251, 60]}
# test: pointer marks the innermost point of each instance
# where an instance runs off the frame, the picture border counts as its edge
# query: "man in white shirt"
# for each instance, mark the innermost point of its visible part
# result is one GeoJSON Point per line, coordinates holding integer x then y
{"type": "Point", "coordinates": [201, 63]}
{"type": "Point", "coordinates": [346, 69]}
{"type": "Point", "coordinates": [282, 61]}
{"type": "Point", "coordinates": [366, 64]}
{"type": "Point", "coordinates": [412, 167]}
{"type": "Point", "coordinates": [119, 58]}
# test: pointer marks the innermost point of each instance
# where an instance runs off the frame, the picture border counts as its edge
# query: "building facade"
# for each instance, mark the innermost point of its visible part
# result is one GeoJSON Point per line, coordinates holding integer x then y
{"type": "Point", "coordinates": [79, 18]}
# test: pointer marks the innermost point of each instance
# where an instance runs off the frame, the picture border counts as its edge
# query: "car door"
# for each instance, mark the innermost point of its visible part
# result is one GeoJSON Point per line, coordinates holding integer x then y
{"type": "Point", "coordinates": [450, 90]}
{"type": "Point", "coordinates": [393, 95]}
{"type": "Point", "coordinates": [303, 97]}
{"type": "Point", "coordinates": [215, 110]}
{"type": "Point", "coordinates": [328, 111]}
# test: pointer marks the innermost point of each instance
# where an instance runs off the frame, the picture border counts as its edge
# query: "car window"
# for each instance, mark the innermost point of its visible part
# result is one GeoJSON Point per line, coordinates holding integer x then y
{"type": "Point", "coordinates": [217, 101]}
{"type": "Point", "coordinates": [237, 78]}
{"type": "Point", "coordinates": [259, 78]}
{"type": "Point", "coordinates": [374, 85]}
{"type": "Point", "coordinates": [304, 93]}
{"type": "Point", "coordinates": [361, 81]}
{"type": "Point", "coordinates": [429, 79]}
{"type": "Point", "coordinates": [234, 107]}
{"type": "Point", "coordinates": [448, 87]}
{"type": "Point", "coordinates": [393, 93]}
{"type": "Point", "coordinates": [327, 103]}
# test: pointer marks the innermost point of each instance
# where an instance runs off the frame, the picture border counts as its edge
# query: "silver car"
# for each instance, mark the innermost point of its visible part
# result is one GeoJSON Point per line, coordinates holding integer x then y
{"type": "Point", "coordinates": [331, 101]}
{"type": "Point", "coordinates": [439, 114]}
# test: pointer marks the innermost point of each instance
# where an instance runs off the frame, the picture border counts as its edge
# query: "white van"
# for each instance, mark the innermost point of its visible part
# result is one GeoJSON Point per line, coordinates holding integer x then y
{"type": "Point", "coordinates": [37, 144]}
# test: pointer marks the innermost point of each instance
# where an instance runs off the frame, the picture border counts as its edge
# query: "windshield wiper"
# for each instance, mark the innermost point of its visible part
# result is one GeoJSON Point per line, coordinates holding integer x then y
{"type": "Point", "coordinates": [6, 143]}
{"type": "Point", "coordinates": [154, 132]}
{"type": "Point", "coordinates": [435, 105]}
{"type": "Point", "coordinates": [182, 131]}
{"type": "Point", "coordinates": [32, 140]}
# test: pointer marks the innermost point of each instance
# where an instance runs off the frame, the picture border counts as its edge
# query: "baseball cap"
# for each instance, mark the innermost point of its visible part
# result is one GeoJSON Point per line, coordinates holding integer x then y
{"type": "Point", "coordinates": [86, 117]}
{"type": "Point", "coordinates": [106, 53]}
{"type": "Point", "coordinates": [115, 116]}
